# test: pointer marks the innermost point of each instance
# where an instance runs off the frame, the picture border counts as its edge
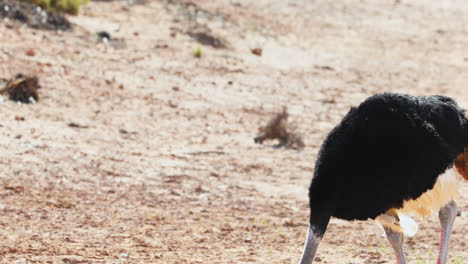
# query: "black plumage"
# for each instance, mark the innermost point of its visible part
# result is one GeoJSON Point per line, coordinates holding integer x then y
{"type": "Point", "coordinates": [389, 149]}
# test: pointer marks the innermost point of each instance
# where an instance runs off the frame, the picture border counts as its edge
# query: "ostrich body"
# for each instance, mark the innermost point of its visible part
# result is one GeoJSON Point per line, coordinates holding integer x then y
{"type": "Point", "coordinates": [392, 157]}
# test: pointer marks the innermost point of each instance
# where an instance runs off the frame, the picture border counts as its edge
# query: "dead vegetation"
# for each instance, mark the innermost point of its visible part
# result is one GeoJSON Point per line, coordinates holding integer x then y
{"type": "Point", "coordinates": [22, 89]}
{"type": "Point", "coordinates": [278, 128]}
{"type": "Point", "coordinates": [195, 22]}
{"type": "Point", "coordinates": [205, 36]}
{"type": "Point", "coordinates": [33, 15]}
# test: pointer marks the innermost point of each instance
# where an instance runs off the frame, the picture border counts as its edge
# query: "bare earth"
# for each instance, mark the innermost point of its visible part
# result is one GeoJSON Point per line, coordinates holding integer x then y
{"type": "Point", "coordinates": [160, 165]}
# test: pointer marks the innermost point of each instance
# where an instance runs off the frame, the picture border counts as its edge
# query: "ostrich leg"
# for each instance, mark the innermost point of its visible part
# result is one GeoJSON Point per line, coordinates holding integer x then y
{"type": "Point", "coordinates": [447, 216]}
{"type": "Point", "coordinates": [396, 240]}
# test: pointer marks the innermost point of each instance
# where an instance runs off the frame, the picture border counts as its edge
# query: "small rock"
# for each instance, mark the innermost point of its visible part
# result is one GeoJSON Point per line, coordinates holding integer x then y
{"type": "Point", "coordinates": [76, 125]}
{"type": "Point", "coordinates": [289, 222]}
{"type": "Point", "coordinates": [104, 36]}
{"type": "Point", "coordinates": [31, 52]}
{"type": "Point", "coordinates": [257, 51]}
{"type": "Point", "coordinates": [161, 46]}
{"type": "Point", "coordinates": [171, 104]}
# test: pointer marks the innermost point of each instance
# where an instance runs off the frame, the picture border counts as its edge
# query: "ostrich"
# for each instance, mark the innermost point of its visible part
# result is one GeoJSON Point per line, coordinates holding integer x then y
{"type": "Point", "coordinates": [392, 157]}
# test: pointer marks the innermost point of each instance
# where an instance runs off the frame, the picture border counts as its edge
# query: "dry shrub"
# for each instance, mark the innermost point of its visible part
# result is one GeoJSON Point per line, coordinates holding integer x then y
{"type": "Point", "coordinates": [279, 128]}
{"type": "Point", "coordinates": [22, 89]}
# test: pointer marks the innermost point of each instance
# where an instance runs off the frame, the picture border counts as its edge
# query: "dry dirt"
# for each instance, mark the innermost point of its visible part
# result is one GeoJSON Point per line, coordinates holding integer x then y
{"type": "Point", "coordinates": [139, 152]}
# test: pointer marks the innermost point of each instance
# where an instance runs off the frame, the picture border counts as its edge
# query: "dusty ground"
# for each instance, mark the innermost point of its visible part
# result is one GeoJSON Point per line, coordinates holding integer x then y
{"type": "Point", "coordinates": [138, 152]}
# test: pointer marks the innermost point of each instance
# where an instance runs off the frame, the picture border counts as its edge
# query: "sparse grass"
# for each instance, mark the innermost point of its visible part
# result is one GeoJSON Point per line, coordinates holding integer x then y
{"type": "Point", "coordinates": [250, 28]}
{"type": "Point", "coordinates": [68, 6]}
{"type": "Point", "coordinates": [420, 261]}
{"type": "Point", "coordinates": [383, 249]}
{"type": "Point", "coordinates": [32, 228]}
{"type": "Point", "coordinates": [458, 260]}
{"type": "Point", "coordinates": [150, 214]}
{"type": "Point", "coordinates": [198, 52]}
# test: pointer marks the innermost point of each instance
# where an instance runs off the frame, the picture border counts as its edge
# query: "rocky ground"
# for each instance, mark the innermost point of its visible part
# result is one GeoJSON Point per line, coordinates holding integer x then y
{"type": "Point", "coordinates": [138, 151]}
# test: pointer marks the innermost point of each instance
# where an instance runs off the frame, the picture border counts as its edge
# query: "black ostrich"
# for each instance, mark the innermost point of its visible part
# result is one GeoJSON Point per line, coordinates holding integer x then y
{"type": "Point", "coordinates": [392, 157]}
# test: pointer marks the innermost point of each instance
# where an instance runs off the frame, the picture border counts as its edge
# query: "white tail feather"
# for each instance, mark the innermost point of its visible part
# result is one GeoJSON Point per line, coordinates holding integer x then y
{"type": "Point", "coordinates": [409, 226]}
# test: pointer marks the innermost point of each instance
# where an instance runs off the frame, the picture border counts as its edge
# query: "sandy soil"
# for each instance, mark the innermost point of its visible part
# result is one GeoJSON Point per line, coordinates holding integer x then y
{"type": "Point", "coordinates": [160, 165]}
